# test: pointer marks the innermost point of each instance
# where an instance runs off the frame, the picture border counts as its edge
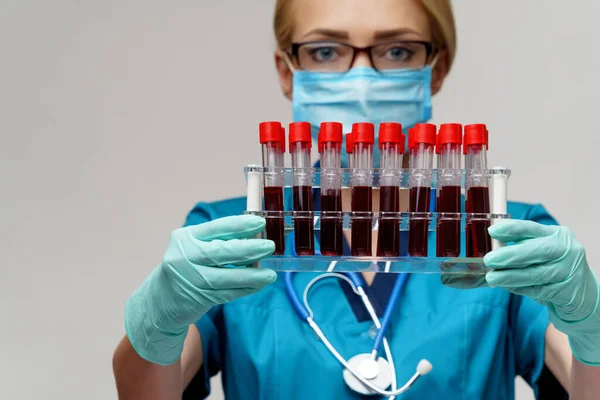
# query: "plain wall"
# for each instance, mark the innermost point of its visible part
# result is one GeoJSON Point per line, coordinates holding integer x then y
{"type": "Point", "coordinates": [117, 116]}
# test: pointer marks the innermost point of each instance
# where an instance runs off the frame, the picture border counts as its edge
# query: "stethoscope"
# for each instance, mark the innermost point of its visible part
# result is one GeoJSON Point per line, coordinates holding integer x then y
{"type": "Point", "coordinates": [364, 373]}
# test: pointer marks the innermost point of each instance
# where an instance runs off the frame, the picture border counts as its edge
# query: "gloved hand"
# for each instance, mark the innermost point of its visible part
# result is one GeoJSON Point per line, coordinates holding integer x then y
{"type": "Point", "coordinates": [549, 265]}
{"type": "Point", "coordinates": [191, 279]}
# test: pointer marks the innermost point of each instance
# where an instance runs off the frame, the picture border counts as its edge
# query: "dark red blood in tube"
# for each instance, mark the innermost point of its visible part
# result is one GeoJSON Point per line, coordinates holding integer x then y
{"type": "Point", "coordinates": [332, 242]}
{"type": "Point", "coordinates": [362, 227]}
{"type": "Point", "coordinates": [274, 227]}
{"type": "Point", "coordinates": [303, 225]}
{"type": "Point", "coordinates": [448, 230]}
{"type": "Point", "coordinates": [479, 242]}
{"type": "Point", "coordinates": [388, 242]}
{"type": "Point", "coordinates": [418, 228]}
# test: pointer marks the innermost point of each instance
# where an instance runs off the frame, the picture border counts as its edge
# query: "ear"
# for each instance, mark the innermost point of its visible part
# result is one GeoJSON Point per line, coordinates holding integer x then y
{"type": "Point", "coordinates": [285, 74]}
{"type": "Point", "coordinates": [440, 71]}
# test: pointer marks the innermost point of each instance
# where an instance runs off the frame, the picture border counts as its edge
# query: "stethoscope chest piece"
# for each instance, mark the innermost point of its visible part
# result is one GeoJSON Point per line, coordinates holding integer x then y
{"type": "Point", "coordinates": [377, 372]}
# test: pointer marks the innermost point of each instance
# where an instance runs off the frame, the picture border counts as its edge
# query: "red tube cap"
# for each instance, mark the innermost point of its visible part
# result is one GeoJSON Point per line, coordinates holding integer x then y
{"type": "Point", "coordinates": [300, 132]}
{"type": "Point", "coordinates": [402, 143]}
{"type": "Point", "coordinates": [391, 132]}
{"type": "Point", "coordinates": [330, 132]}
{"type": "Point", "coordinates": [363, 132]}
{"type": "Point", "coordinates": [422, 133]}
{"type": "Point", "coordinates": [282, 141]}
{"type": "Point", "coordinates": [475, 134]}
{"type": "Point", "coordinates": [349, 143]}
{"type": "Point", "coordinates": [449, 133]}
{"type": "Point", "coordinates": [271, 131]}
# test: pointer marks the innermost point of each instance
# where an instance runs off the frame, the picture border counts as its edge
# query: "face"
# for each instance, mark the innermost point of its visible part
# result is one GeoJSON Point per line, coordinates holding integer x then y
{"type": "Point", "coordinates": [360, 23]}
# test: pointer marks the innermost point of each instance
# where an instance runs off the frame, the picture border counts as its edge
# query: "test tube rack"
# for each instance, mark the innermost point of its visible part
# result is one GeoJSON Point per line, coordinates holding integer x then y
{"type": "Point", "coordinates": [465, 271]}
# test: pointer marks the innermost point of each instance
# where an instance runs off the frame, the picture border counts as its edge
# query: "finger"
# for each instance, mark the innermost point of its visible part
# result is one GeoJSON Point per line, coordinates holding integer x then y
{"type": "Point", "coordinates": [236, 252]}
{"type": "Point", "coordinates": [540, 293]}
{"type": "Point", "coordinates": [514, 230]}
{"type": "Point", "coordinates": [225, 296]}
{"type": "Point", "coordinates": [234, 227]}
{"type": "Point", "coordinates": [530, 276]}
{"type": "Point", "coordinates": [233, 279]}
{"type": "Point", "coordinates": [525, 253]}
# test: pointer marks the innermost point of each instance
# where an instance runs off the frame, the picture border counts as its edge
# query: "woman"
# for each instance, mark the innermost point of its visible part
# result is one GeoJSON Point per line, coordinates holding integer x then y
{"type": "Point", "coordinates": [183, 321]}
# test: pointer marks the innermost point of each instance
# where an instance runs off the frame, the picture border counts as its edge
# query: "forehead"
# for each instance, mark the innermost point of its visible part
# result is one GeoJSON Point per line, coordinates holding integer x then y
{"type": "Point", "coordinates": [360, 19]}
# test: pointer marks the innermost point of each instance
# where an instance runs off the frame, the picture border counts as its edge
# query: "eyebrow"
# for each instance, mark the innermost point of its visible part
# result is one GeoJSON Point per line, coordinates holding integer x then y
{"type": "Point", "coordinates": [329, 33]}
{"type": "Point", "coordinates": [391, 33]}
{"type": "Point", "coordinates": [379, 35]}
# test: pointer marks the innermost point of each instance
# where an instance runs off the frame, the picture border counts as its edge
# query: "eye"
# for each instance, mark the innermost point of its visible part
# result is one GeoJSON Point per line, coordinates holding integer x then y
{"type": "Point", "coordinates": [323, 53]}
{"type": "Point", "coordinates": [398, 54]}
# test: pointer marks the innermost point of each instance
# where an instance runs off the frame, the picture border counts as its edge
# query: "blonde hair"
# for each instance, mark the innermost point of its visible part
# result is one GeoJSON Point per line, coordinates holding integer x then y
{"type": "Point", "coordinates": [443, 29]}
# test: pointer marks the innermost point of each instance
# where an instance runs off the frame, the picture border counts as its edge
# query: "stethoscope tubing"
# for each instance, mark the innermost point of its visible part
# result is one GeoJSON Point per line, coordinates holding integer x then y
{"type": "Point", "coordinates": [303, 310]}
{"type": "Point", "coordinates": [358, 282]}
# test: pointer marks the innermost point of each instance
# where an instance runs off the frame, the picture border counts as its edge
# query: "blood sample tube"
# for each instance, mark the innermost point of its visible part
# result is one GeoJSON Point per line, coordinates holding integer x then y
{"type": "Point", "coordinates": [391, 147]}
{"type": "Point", "coordinates": [330, 146]}
{"type": "Point", "coordinates": [475, 149]}
{"type": "Point", "coordinates": [363, 135]}
{"type": "Point", "coordinates": [449, 140]}
{"type": "Point", "coordinates": [272, 138]}
{"type": "Point", "coordinates": [300, 144]}
{"type": "Point", "coordinates": [421, 163]}
{"type": "Point", "coordinates": [350, 149]}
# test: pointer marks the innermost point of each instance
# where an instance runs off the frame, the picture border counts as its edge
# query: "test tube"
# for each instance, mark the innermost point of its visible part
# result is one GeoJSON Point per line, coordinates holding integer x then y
{"type": "Point", "coordinates": [498, 199]}
{"type": "Point", "coordinates": [391, 147]}
{"type": "Point", "coordinates": [350, 149]}
{"type": "Point", "coordinates": [422, 145]}
{"type": "Point", "coordinates": [475, 149]}
{"type": "Point", "coordinates": [363, 135]}
{"type": "Point", "coordinates": [330, 146]}
{"type": "Point", "coordinates": [449, 140]}
{"type": "Point", "coordinates": [272, 138]}
{"type": "Point", "coordinates": [300, 144]}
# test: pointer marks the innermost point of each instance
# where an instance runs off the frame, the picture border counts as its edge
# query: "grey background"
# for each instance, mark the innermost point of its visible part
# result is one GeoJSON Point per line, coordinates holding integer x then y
{"type": "Point", "coordinates": [117, 116]}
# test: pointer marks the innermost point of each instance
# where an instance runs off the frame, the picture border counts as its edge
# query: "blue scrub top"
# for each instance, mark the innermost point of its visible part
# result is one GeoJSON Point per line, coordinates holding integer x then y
{"type": "Point", "coordinates": [477, 340]}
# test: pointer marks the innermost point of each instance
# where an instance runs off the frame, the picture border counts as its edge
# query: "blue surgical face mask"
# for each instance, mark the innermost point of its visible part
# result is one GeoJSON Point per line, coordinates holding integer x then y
{"type": "Point", "coordinates": [362, 95]}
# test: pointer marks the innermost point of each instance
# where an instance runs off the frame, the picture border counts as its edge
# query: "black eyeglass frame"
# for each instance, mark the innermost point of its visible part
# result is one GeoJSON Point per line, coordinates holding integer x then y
{"type": "Point", "coordinates": [431, 50]}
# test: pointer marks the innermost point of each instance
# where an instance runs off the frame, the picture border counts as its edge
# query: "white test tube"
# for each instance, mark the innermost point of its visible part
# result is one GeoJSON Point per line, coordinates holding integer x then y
{"type": "Point", "coordinates": [254, 188]}
{"type": "Point", "coordinates": [499, 200]}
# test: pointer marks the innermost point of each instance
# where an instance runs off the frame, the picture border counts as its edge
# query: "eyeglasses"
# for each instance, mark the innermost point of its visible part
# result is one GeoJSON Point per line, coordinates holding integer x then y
{"type": "Point", "coordinates": [339, 57]}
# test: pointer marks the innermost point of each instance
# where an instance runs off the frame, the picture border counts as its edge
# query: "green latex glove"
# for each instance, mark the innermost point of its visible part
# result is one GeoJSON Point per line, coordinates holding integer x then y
{"type": "Point", "coordinates": [549, 265]}
{"type": "Point", "coordinates": [191, 279]}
